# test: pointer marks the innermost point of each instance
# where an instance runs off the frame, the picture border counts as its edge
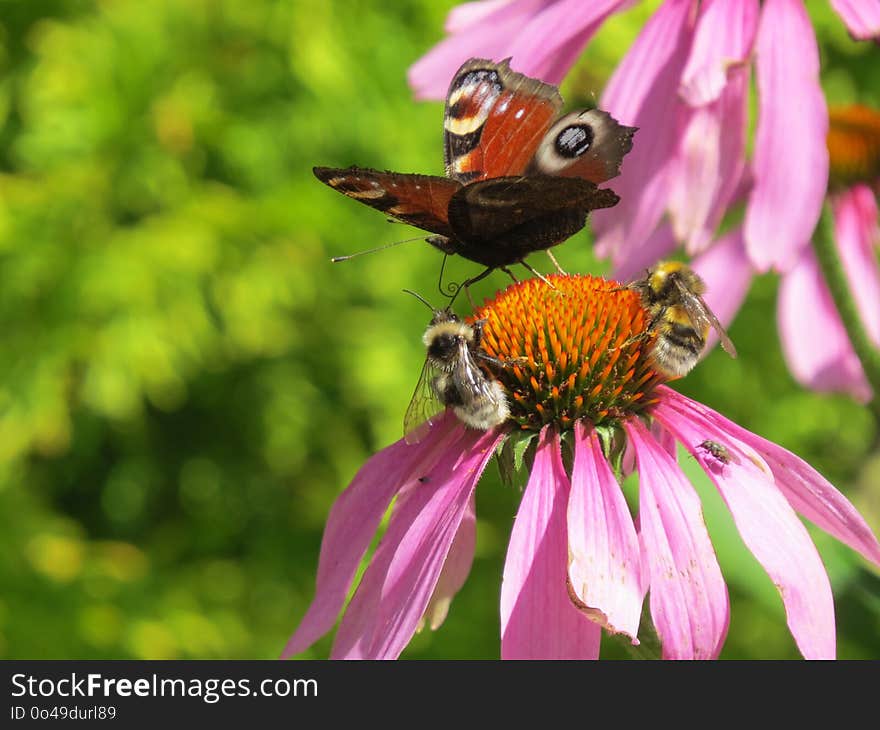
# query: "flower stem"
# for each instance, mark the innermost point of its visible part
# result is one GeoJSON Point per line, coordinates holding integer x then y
{"type": "Point", "coordinates": [841, 294]}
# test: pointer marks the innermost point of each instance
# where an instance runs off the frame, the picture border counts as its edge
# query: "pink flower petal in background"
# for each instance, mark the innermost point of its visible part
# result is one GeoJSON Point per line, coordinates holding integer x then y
{"type": "Point", "coordinates": [455, 570]}
{"type": "Point", "coordinates": [658, 246]}
{"type": "Point", "coordinates": [538, 618]}
{"type": "Point", "coordinates": [544, 38]}
{"type": "Point", "coordinates": [688, 597]}
{"type": "Point", "coordinates": [856, 234]}
{"type": "Point", "coordinates": [806, 316]}
{"type": "Point", "coordinates": [354, 519]}
{"type": "Point", "coordinates": [643, 93]}
{"type": "Point", "coordinates": [604, 562]}
{"type": "Point", "coordinates": [396, 587]}
{"type": "Point", "coordinates": [461, 17]}
{"type": "Point", "coordinates": [710, 162]}
{"type": "Point", "coordinates": [807, 491]}
{"type": "Point", "coordinates": [862, 17]}
{"type": "Point", "coordinates": [768, 526]}
{"type": "Point", "coordinates": [791, 158]}
{"type": "Point", "coordinates": [552, 41]}
{"type": "Point", "coordinates": [724, 36]}
{"type": "Point", "coordinates": [728, 274]}
{"type": "Point", "coordinates": [486, 35]}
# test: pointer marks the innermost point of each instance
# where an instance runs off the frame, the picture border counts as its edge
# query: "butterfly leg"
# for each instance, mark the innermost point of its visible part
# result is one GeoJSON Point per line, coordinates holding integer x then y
{"type": "Point", "coordinates": [555, 262]}
{"type": "Point", "coordinates": [539, 275]}
{"type": "Point", "coordinates": [467, 283]}
{"type": "Point", "coordinates": [510, 274]}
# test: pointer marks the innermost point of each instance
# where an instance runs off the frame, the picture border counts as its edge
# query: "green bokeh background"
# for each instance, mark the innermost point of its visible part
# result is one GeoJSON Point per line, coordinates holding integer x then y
{"type": "Point", "coordinates": [186, 382]}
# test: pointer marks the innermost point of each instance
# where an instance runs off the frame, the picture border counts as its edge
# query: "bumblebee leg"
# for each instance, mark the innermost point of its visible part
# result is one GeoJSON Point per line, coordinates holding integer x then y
{"type": "Point", "coordinates": [635, 338]}
{"type": "Point", "coordinates": [506, 363]}
{"type": "Point", "coordinates": [555, 262]}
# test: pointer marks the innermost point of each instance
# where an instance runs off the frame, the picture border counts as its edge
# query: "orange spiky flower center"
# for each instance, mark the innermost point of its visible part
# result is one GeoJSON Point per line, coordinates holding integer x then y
{"type": "Point", "coordinates": [579, 351]}
{"type": "Point", "coordinates": [853, 144]}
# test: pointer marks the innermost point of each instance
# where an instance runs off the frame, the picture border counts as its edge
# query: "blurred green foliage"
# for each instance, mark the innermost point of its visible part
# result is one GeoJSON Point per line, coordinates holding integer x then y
{"type": "Point", "coordinates": [186, 382]}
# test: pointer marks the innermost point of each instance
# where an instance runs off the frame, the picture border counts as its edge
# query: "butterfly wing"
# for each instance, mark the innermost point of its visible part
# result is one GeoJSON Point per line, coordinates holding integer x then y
{"type": "Point", "coordinates": [499, 221]}
{"type": "Point", "coordinates": [420, 200]}
{"type": "Point", "coordinates": [589, 144]}
{"type": "Point", "coordinates": [500, 123]}
{"type": "Point", "coordinates": [494, 120]}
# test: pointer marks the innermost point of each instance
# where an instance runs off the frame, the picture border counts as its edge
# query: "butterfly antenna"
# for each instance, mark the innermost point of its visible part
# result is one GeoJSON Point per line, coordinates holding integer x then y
{"type": "Point", "coordinates": [337, 259]}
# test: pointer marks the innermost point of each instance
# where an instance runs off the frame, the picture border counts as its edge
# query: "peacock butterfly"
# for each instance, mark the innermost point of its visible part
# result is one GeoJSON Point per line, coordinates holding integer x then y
{"type": "Point", "coordinates": [520, 177]}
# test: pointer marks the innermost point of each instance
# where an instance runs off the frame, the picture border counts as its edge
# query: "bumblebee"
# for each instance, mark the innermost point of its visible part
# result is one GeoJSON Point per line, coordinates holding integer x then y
{"type": "Point", "coordinates": [451, 376]}
{"type": "Point", "coordinates": [672, 294]}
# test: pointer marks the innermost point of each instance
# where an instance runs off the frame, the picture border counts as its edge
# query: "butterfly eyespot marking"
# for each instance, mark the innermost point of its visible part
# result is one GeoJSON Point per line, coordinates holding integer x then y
{"type": "Point", "coordinates": [574, 141]}
{"type": "Point", "coordinates": [476, 77]}
{"type": "Point", "coordinates": [470, 103]}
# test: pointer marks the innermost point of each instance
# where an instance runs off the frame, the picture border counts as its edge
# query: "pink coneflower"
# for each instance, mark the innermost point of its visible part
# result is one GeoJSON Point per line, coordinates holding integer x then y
{"type": "Point", "coordinates": [580, 386]}
{"type": "Point", "coordinates": [806, 311]}
{"type": "Point", "coordinates": [815, 343]}
{"type": "Point", "coordinates": [685, 84]}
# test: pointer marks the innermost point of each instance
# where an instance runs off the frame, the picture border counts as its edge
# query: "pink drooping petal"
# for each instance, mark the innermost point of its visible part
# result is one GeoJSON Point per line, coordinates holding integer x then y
{"type": "Point", "coordinates": [485, 37]}
{"type": "Point", "coordinates": [664, 439]}
{"type": "Point", "coordinates": [455, 570]}
{"type": "Point", "coordinates": [814, 342]}
{"type": "Point", "coordinates": [862, 17]}
{"type": "Point", "coordinates": [791, 157]}
{"type": "Point", "coordinates": [353, 521]}
{"type": "Point", "coordinates": [728, 274]}
{"type": "Point", "coordinates": [604, 565]}
{"type": "Point", "coordinates": [709, 164]}
{"type": "Point", "coordinates": [396, 587]}
{"type": "Point", "coordinates": [538, 618]}
{"type": "Point", "coordinates": [658, 246]}
{"type": "Point", "coordinates": [723, 40]}
{"type": "Point", "coordinates": [463, 16]}
{"type": "Point", "coordinates": [857, 234]}
{"type": "Point", "coordinates": [543, 39]}
{"type": "Point", "coordinates": [807, 491]}
{"type": "Point", "coordinates": [643, 92]}
{"type": "Point", "coordinates": [768, 526]}
{"type": "Point", "coordinates": [552, 41]}
{"type": "Point", "coordinates": [688, 597]}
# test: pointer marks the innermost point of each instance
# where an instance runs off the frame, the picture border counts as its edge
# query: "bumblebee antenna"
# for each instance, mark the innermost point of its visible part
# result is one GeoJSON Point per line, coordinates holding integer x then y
{"type": "Point", "coordinates": [337, 259]}
{"type": "Point", "coordinates": [421, 299]}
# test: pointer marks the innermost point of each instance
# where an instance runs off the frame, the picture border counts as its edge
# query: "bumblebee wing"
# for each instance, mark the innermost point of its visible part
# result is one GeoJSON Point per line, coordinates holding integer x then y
{"type": "Point", "coordinates": [702, 317]}
{"type": "Point", "coordinates": [468, 379]}
{"type": "Point", "coordinates": [424, 407]}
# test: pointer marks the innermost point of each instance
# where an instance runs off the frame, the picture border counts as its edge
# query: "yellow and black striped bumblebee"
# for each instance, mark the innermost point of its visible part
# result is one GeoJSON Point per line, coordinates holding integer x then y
{"type": "Point", "coordinates": [452, 377]}
{"type": "Point", "coordinates": [672, 292]}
